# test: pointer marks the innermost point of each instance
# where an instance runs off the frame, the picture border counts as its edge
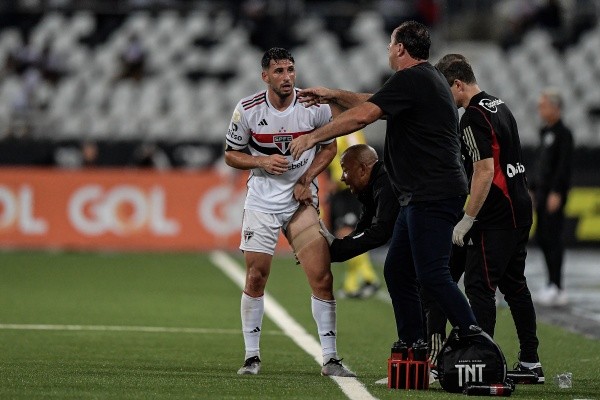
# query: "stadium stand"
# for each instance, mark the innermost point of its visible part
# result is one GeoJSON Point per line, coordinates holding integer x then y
{"type": "Point", "coordinates": [198, 59]}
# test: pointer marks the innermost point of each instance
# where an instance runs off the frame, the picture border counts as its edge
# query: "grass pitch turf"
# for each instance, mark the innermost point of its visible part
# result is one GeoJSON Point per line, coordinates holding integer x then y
{"type": "Point", "coordinates": [198, 347]}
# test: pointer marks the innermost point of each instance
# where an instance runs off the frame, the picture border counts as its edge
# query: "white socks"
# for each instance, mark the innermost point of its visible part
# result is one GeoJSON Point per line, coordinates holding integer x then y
{"type": "Point", "coordinates": [252, 310]}
{"type": "Point", "coordinates": [323, 312]}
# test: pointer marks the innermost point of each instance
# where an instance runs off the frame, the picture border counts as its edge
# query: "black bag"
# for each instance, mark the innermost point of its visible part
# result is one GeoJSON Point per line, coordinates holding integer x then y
{"type": "Point", "coordinates": [473, 357]}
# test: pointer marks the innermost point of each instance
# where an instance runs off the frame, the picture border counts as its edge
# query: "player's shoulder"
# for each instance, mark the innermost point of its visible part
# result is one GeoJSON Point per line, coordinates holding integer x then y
{"type": "Point", "coordinates": [485, 103]}
{"type": "Point", "coordinates": [253, 100]}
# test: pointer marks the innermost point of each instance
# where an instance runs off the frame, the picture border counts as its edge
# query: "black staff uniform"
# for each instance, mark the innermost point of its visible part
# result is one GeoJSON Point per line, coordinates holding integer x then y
{"type": "Point", "coordinates": [376, 222]}
{"type": "Point", "coordinates": [553, 174]}
{"type": "Point", "coordinates": [496, 244]}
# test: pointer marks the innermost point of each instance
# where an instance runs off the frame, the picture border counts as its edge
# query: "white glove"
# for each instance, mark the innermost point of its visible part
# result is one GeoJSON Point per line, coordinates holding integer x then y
{"type": "Point", "coordinates": [326, 234]}
{"type": "Point", "coordinates": [461, 229]}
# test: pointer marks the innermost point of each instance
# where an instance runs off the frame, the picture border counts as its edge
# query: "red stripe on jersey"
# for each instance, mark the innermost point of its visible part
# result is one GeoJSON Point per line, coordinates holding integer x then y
{"type": "Point", "coordinates": [253, 104]}
{"type": "Point", "coordinates": [499, 179]}
{"type": "Point", "coordinates": [258, 96]}
{"type": "Point", "coordinates": [268, 137]}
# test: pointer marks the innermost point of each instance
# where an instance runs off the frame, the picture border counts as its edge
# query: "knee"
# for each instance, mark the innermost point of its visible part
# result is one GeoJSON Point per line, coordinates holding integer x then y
{"type": "Point", "coordinates": [256, 280]}
{"type": "Point", "coordinates": [322, 286]}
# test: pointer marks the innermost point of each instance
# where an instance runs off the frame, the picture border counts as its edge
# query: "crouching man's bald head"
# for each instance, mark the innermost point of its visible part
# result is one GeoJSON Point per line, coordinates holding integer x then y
{"type": "Point", "coordinates": [357, 163]}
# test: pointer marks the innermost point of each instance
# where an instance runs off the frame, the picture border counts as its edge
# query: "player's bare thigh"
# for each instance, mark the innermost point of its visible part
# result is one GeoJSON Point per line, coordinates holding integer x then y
{"type": "Point", "coordinates": [311, 250]}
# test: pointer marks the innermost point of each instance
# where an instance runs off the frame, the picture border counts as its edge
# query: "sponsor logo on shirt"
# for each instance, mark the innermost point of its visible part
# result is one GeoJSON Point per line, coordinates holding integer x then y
{"type": "Point", "coordinates": [490, 105]}
{"type": "Point", "coordinates": [512, 170]}
{"type": "Point", "coordinates": [298, 164]}
{"type": "Point", "coordinates": [231, 132]}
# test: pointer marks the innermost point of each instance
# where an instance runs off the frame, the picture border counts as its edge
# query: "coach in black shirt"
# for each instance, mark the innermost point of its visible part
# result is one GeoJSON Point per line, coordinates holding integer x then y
{"type": "Point", "coordinates": [422, 157]}
{"type": "Point", "coordinates": [367, 178]}
{"type": "Point", "coordinates": [498, 215]}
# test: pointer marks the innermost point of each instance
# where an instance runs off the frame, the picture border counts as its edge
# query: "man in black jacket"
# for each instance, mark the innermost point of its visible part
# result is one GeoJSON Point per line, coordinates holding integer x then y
{"type": "Point", "coordinates": [367, 178]}
{"type": "Point", "coordinates": [550, 186]}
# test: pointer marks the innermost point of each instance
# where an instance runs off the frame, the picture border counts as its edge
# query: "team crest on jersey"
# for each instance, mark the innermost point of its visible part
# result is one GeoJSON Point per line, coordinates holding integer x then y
{"type": "Point", "coordinates": [490, 105]}
{"type": "Point", "coordinates": [248, 235]}
{"type": "Point", "coordinates": [283, 142]}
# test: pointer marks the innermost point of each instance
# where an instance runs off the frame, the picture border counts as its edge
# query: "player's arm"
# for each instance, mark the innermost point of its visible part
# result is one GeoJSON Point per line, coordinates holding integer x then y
{"type": "Point", "coordinates": [322, 159]}
{"type": "Point", "coordinates": [275, 164]}
{"type": "Point", "coordinates": [347, 122]}
{"type": "Point", "coordinates": [370, 232]}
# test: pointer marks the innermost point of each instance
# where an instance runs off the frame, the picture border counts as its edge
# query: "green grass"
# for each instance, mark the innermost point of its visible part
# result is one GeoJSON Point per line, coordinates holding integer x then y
{"type": "Point", "coordinates": [186, 291]}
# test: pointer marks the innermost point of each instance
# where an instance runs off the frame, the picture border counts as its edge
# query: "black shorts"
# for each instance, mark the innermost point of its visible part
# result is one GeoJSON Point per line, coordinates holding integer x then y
{"type": "Point", "coordinates": [345, 210]}
{"type": "Point", "coordinates": [496, 259]}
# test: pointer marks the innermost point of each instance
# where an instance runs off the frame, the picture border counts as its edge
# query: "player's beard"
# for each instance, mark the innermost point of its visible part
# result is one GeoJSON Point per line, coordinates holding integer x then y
{"type": "Point", "coordinates": [283, 93]}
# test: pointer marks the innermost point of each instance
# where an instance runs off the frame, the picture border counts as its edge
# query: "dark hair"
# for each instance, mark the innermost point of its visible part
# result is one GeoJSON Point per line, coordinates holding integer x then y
{"type": "Point", "coordinates": [275, 54]}
{"type": "Point", "coordinates": [415, 38]}
{"type": "Point", "coordinates": [456, 66]}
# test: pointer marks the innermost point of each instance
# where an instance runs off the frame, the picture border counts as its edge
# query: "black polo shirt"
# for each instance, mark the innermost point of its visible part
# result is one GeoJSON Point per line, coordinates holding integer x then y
{"type": "Point", "coordinates": [422, 144]}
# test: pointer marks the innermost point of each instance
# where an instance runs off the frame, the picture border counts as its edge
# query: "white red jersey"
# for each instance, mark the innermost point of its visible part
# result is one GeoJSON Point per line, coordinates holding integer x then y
{"type": "Point", "coordinates": [258, 125]}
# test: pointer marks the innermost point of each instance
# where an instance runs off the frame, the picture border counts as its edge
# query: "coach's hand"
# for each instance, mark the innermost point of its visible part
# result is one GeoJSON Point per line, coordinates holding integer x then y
{"type": "Point", "coordinates": [461, 229]}
{"type": "Point", "coordinates": [326, 234]}
{"type": "Point", "coordinates": [315, 95]}
{"type": "Point", "coordinates": [300, 145]}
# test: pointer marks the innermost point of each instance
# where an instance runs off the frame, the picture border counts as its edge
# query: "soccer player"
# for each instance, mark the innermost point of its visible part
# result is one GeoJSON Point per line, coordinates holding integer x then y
{"type": "Point", "coordinates": [498, 215]}
{"type": "Point", "coordinates": [282, 195]}
{"type": "Point", "coordinates": [422, 157]}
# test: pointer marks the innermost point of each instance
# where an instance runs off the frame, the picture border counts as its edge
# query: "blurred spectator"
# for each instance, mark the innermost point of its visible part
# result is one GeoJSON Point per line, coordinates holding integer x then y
{"type": "Point", "coordinates": [133, 59]}
{"type": "Point", "coordinates": [85, 156]}
{"type": "Point", "coordinates": [270, 21]}
{"type": "Point", "coordinates": [394, 12]}
{"type": "Point", "coordinates": [89, 154]}
{"type": "Point", "coordinates": [522, 15]}
{"type": "Point", "coordinates": [149, 155]}
{"type": "Point", "coordinates": [51, 64]}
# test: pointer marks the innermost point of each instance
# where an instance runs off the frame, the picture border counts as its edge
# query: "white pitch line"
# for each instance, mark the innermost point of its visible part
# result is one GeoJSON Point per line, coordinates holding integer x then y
{"type": "Point", "coordinates": [351, 387]}
{"type": "Point", "coordinates": [110, 328]}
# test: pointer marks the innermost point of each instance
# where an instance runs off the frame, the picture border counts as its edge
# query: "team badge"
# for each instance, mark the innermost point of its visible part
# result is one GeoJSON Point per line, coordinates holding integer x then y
{"type": "Point", "coordinates": [248, 235]}
{"type": "Point", "coordinates": [283, 142]}
{"type": "Point", "coordinates": [236, 117]}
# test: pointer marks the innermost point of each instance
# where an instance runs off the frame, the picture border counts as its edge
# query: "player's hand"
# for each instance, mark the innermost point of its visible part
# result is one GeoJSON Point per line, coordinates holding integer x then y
{"type": "Point", "coordinates": [461, 229]}
{"type": "Point", "coordinates": [300, 145]}
{"type": "Point", "coordinates": [275, 164]}
{"type": "Point", "coordinates": [302, 193]}
{"type": "Point", "coordinates": [315, 95]}
{"type": "Point", "coordinates": [326, 234]}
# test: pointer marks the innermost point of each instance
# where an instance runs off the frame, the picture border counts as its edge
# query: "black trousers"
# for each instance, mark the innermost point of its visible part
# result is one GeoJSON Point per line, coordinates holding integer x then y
{"type": "Point", "coordinates": [549, 235]}
{"type": "Point", "coordinates": [496, 259]}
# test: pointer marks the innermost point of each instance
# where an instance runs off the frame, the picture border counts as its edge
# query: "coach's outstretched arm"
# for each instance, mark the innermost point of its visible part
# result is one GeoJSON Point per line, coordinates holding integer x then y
{"type": "Point", "coordinates": [347, 122]}
{"type": "Point", "coordinates": [322, 95]}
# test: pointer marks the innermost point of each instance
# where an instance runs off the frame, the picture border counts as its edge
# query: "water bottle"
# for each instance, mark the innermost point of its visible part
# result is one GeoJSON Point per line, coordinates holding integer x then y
{"type": "Point", "coordinates": [493, 389]}
{"type": "Point", "coordinates": [420, 350]}
{"type": "Point", "coordinates": [397, 378]}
